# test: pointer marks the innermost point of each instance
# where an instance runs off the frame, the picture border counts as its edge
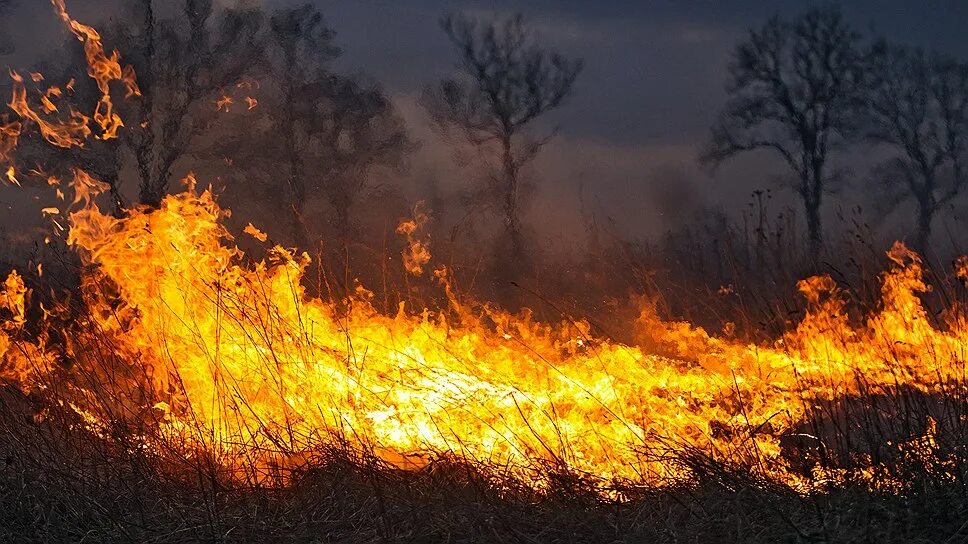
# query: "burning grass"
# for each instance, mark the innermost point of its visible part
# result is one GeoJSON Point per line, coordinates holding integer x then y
{"type": "Point", "coordinates": [237, 360]}
{"type": "Point", "coordinates": [199, 375]}
{"type": "Point", "coordinates": [196, 354]}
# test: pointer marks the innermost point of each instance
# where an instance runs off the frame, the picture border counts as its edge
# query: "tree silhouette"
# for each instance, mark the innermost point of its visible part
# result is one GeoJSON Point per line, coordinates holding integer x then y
{"type": "Point", "coordinates": [918, 105]}
{"type": "Point", "coordinates": [182, 64]}
{"type": "Point", "coordinates": [505, 82]}
{"type": "Point", "coordinates": [181, 61]}
{"type": "Point", "coordinates": [324, 131]}
{"type": "Point", "coordinates": [794, 89]}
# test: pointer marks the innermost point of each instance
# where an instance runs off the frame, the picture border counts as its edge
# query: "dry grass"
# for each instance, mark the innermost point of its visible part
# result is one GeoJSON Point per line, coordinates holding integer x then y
{"type": "Point", "coordinates": [60, 484]}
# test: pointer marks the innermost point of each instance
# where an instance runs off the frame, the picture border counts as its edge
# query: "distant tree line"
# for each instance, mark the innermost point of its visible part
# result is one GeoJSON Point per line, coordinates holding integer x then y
{"type": "Point", "coordinates": [807, 89]}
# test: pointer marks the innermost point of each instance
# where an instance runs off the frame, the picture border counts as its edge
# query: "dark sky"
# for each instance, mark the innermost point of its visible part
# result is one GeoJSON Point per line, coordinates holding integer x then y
{"type": "Point", "coordinates": [653, 83]}
{"type": "Point", "coordinates": [654, 70]}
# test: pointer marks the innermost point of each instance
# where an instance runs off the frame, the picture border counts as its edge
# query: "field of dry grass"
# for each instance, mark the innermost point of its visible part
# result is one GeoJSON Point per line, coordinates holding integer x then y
{"type": "Point", "coordinates": [58, 483]}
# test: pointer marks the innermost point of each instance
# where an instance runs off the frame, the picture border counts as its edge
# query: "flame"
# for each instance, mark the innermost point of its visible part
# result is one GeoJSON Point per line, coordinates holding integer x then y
{"type": "Point", "coordinates": [74, 130]}
{"type": "Point", "coordinates": [12, 176]}
{"type": "Point", "coordinates": [71, 132]}
{"type": "Point", "coordinates": [416, 254]}
{"type": "Point", "coordinates": [103, 69]}
{"type": "Point", "coordinates": [224, 103]}
{"type": "Point", "coordinates": [12, 298]}
{"type": "Point", "coordinates": [9, 137]}
{"type": "Point", "coordinates": [86, 187]}
{"type": "Point", "coordinates": [20, 362]}
{"type": "Point", "coordinates": [254, 232]}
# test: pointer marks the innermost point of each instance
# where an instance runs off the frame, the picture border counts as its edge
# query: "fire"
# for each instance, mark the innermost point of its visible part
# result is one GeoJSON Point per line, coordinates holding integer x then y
{"type": "Point", "coordinates": [244, 357]}
{"type": "Point", "coordinates": [254, 232]}
{"type": "Point", "coordinates": [103, 69]}
{"type": "Point", "coordinates": [71, 132]}
{"type": "Point", "coordinates": [74, 130]}
{"type": "Point", "coordinates": [232, 356]}
{"type": "Point", "coordinates": [224, 103]}
{"type": "Point", "coordinates": [416, 254]}
{"type": "Point", "coordinates": [12, 176]}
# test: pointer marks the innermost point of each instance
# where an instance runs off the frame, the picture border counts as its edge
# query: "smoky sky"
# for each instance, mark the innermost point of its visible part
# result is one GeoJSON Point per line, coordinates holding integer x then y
{"type": "Point", "coordinates": [654, 71]}
{"type": "Point", "coordinates": [628, 139]}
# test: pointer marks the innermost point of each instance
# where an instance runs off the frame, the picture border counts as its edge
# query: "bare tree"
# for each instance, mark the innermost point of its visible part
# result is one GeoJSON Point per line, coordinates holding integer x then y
{"type": "Point", "coordinates": [182, 66]}
{"type": "Point", "coordinates": [505, 82]}
{"type": "Point", "coordinates": [183, 55]}
{"type": "Point", "coordinates": [303, 47]}
{"type": "Point", "coordinates": [181, 61]}
{"type": "Point", "coordinates": [327, 130]}
{"type": "Point", "coordinates": [794, 89]}
{"type": "Point", "coordinates": [918, 105]}
{"type": "Point", "coordinates": [357, 130]}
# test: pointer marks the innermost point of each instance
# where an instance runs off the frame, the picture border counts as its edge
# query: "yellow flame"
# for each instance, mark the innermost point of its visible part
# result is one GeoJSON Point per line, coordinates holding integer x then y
{"type": "Point", "coordinates": [12, 176]}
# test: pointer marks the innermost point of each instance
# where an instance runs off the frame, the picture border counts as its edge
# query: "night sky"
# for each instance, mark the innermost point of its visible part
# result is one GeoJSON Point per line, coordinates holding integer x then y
{"type": "Point", "coordinates": [653, 83]}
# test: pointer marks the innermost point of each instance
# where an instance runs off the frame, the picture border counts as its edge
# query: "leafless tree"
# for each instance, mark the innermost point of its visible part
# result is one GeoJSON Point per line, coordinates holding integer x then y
{"type": "Point", "coordinates": [182, 65]}
{"type": "Point", "coordinates": [357, 130]}
{"type": "Point", "coordinates": [918, 105]}
{"type": "Point", "coordinates": [794, 89]}
{"type": "Point", "coordinates": [303, 46]}
{"type": "Point", "coordinates": [183, 54]}
{"type": "Point", "coordinates": [326, 131]}
{"type": "Point", "coordinates": [505, 81]}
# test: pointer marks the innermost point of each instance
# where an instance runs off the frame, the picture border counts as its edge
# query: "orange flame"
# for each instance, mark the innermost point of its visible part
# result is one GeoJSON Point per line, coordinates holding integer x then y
{"type": "Point", "coordinates": [416, 254]}
{"type": "Point", "coordinates": [67, 133]}
{"type": "Point", "coordinates": [103, 69]}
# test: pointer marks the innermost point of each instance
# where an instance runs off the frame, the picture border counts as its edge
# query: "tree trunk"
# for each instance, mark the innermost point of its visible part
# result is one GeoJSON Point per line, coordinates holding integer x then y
{"type": "Point", "coordinates": [296, 207]}
{"type": "Point", "coordinates": [144, 152]}
{"type": "Point", "coordinates": [117, 201]}
{"type": "Point", "coordinates": [343, 225]}
{"type": "Point", "coordinates": [297, 187]}
{"type": "Point", "coordinates": [812, 197]}
{"type": "Point", "coordinates": [814, 227]}
{"type": "Point", "coordinates": [925, 218]}
{"type": "Point", "coordinates": [150, 195]}
{"type": "Point", "coordinates": [297, 193]}
{"type": "Point", "coordinates": [512, 220]}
